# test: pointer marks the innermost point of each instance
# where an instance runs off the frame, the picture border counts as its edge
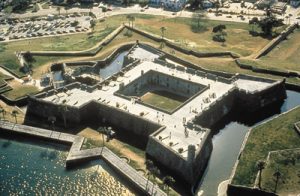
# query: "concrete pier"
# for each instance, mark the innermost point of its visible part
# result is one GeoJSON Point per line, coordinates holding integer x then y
{"type": "Point", "coordinates": [77, 155]}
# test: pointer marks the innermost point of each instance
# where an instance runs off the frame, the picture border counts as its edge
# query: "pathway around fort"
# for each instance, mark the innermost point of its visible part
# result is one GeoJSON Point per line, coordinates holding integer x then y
{"type": "Point", "coordinates": [76, 154]}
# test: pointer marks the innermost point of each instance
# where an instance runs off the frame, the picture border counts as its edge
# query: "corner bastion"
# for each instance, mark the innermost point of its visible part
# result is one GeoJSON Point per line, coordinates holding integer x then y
{"type": "Point", "coordinates": [179, 139]}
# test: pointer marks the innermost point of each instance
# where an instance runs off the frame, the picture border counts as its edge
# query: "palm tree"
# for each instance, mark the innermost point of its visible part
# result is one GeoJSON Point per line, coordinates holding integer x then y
{"type": "Point", "coordinates": [14, 113]}
{"type": "Point", "coordinates": [93, 24]}
{"type": "Point", "coordinates": [128, 17]}
{"type": "Point", "coordinates": [2, 110]}
{"type": "Point", "coordinates": [277, 175]}
{"type": "Point", "coordinates": [58, 9]}
{"type": "Point", "coordinates": [64, 110]}
{"type": "Point", "coordinates": [100, 131]}
{"type": "Point", "coordinates": [168, 181]}
{"type": "Point", "coordinates": [163, 29]}
{"type": "Point", "coordinates": [260, 166]}
{"type": "Point", "coordinates": [155, 172]}
{"type": "Point", "coordinates": [132, 19]}
{"type": "Point", "coordinates": [149, 165]}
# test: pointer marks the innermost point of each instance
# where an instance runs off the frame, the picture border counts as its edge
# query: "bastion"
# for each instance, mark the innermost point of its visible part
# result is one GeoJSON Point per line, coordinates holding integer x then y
{"type": "Point", "coordinates": [169, 104]}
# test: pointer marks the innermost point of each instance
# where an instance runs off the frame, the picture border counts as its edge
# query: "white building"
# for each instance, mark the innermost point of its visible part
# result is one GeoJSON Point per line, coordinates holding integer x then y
{"type": "Point", "coordinates": [174, 5]}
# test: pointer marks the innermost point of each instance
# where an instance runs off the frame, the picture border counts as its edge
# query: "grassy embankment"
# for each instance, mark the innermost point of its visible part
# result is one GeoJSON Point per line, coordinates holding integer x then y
{"type": "Point", "coordinates": [277, 134]}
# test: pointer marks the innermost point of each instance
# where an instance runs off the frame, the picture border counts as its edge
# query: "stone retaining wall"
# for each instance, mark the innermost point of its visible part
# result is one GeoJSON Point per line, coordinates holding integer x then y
{"type": "Point", "coordinates": [181, 49]}
{"type": "Point", "coordinates": [283, 35]}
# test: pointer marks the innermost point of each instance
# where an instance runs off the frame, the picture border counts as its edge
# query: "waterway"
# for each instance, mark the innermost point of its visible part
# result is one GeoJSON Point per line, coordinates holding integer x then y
{"type": "Point", "coordinates": [115, 66]}
{"type": "Point", "coordinates": [39, 169]}
{"type": "Point", "coordinates": [228, 140]}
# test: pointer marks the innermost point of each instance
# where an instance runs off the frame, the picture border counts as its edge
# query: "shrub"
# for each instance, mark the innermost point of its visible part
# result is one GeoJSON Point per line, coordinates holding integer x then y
{"type": "Point", "coordinates": [180, 150]}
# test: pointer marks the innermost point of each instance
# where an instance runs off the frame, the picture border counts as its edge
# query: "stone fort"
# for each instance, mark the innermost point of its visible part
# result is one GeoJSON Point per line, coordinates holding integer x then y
{"type": "Point", "coordinates": [178, 135]}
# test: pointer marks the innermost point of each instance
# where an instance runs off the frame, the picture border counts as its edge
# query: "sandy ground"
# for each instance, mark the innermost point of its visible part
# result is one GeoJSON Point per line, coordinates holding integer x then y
{"type": "Point", "coordinates": [8, 110]}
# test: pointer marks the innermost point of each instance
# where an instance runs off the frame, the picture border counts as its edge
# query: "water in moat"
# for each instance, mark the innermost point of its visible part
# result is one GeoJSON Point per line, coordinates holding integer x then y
{"type": "Point", "coordinates": [228, 140]}
{"type": "Point", "coordinates": [115, 66]}
{"type": "Point", "coordinates": [39, 169]}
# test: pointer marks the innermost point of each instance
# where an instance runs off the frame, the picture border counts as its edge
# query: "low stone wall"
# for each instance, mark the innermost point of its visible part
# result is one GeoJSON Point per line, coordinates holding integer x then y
{"type": "Point", "coordinates": [267, 71]}
{"type": "Point", "coordinates": [277, 40]}
{"type": "Point", "coordinates": [235, 190]}
{"type": "Point", "coordinates": [181, 49]}
{"type": "Point", "coordinates": [90, 52]}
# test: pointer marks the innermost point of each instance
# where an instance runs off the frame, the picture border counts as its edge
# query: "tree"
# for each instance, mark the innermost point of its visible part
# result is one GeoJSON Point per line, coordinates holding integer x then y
{"type": "Point", "coordinates": [109, 135]}
{"type": "Point", "coordinates": [131, 19]}
{"type": "Point", "coordinates": [218, 28]}
{"type": "Point", "coordinates": [268, 23]}
{"type": "Point", "coordinates": [58, 10]}
{"type": "Point", "coordinates": [128, 18]}
{"type": "Point", "coordinates": [14, 114]}
{"type": "Point", "coordinates": [2, 110]}
{"type": "Point", "coordinates": [163, 30]}
{"type": "Point", "coordinates": [155, 172]}
{"type": "Point", "coordinates": [197, 24]}
{"type": "Point", "coordinates": [260, 166]}
{"type": "Point", "coordinates": [277, 175]}
{"type": "Point", "coordinates": [20, 4]}
{"type": "Point", "coordinates": [149, 165]}
{"type": "Point", "coordinates": [100, 131]}
{"type": "Point", "coordinates": [219, 33]}
{"type": "Point", "coordinates": [93, 24]}
{"type": "Point", "coordinates": [254, 21]}
{"type": "Point", "coordinates": [168, 181]}
{"type": "Point", "coordinates": [28, 57]}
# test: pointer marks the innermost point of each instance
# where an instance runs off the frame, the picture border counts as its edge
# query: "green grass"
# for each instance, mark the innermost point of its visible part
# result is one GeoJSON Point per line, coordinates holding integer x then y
{"type": "Point", "coordinates": [238, 40]}
{"type": "Point", "coordinates": [3, 77]}
{"type": "Point", "coordinates": [277, 134]}
{"type": "Point", "coordinates": [288, 164]}
{"type": "Point", "coordinates": [164, 100]}
{"type": "Point", "coordinates": [285, 56]}
{"type": "Point", "coordinates": [75, 42]}
{"type": "Point", "coordinates": [20, 91]}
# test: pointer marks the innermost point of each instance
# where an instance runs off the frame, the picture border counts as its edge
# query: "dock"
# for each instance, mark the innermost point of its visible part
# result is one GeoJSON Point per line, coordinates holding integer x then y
{"type": "Point", "coordinates": [77, 155]}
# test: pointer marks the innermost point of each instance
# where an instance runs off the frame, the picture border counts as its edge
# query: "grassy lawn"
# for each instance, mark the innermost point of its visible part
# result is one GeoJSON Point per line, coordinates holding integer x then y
{"type": "Point", "coordinates": [85, 41]}
{"type": "Point", "coordinates": [285, 56]}
{"type": "Point", "coordinates": [288, 164]}
{"type": "Point", "coordinates": [20, 90]}
{"type": "Point", "coordinates": [75, 42]}
{"type": "Point", "coordinates": [277, 134]}
{"type": "Point", "coordinates": [215, 63]}
{"type": "Point", "coordinates": [164, 100]}
{"type": "Point", "coordinates": [238, 39]}
{"type": "Point", "coordinates": [3, 77]}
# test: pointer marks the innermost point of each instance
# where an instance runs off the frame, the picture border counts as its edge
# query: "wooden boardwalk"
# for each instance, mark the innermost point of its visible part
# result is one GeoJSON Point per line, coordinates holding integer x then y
{"type": "Point", "coordinates": [76, 154]}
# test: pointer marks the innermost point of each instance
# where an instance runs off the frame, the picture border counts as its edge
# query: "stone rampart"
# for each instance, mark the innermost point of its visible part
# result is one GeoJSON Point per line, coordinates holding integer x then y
{"type": "Point", "coordinates": [189, 169]}
{"type": "Point", "coordinates": [252, 101]}
{"type": "Point", "coordinates": [216, 110]}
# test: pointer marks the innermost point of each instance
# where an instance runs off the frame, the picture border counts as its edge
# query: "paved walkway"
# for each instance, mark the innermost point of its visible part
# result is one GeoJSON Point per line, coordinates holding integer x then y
{"type": "Point", "coordinates": [76, 154]}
